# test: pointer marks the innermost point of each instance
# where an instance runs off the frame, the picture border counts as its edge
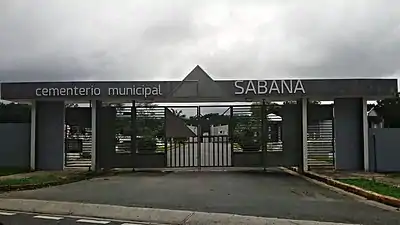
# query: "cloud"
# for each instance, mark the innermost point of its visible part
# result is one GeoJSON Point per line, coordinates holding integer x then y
{"type": "Point", "coordinates": [159, 40]}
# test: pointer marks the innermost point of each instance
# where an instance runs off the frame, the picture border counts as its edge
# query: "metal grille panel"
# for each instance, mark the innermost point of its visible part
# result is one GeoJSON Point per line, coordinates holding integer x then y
{"type": "Point", "coordinates": [150, 129]}
{"type": "Point", "coordinates": [320, 142]}
{"type": "Point", "coordinates": [123, 130]}
{"type": "Point", "coordinates": [247, 128]}
{"type": "Point", "coordinates": [78, 146]}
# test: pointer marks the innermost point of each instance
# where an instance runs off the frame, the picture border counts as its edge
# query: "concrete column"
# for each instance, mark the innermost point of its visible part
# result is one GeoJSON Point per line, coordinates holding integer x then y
{"type": "Point", "coordinates": [292, 134]}
{"type": "Point", "coordinates": [49, 146]}
{"type": "Point", "coordinates": [365, 135]}
{"type": "Point", "coordinates": [33, 137]}
{"type": "Point", "coordinates": [304, 124]}
{"type": "Point", "coordinates": [349, 134]}
{"type": "Point", "coordinates": [105, 137]}
{"type": "Point", "coordinates": [93, 105]}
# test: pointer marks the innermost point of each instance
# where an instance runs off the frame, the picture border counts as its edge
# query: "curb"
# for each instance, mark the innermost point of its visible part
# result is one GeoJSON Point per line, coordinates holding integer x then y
{"type": "Point", "coordinates": [75, 178]}
{"type": "Point", "coordinates": [370, 195]}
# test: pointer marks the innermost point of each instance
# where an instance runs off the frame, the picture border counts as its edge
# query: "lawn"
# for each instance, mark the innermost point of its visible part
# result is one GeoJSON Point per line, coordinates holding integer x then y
{"type": "Point", "coordinates": [8, 171]}
{"type": "Point", "coordinates": [374, 186]}
{"type": "Point", "coordinates": [32, 180]}
{"type": "Point", "coordinates": [161, 148]}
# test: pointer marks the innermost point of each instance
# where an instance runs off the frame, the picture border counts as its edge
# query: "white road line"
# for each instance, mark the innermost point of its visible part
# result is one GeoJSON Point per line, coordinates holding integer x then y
{"type": "Point", "coordinates": [132, 224]}
{"type": "Point", "coordinates": [7, 214]}
{"type": "Point", "coordinates": [93, 221]}
{"type": "Point", "coordinates": [48, 217]}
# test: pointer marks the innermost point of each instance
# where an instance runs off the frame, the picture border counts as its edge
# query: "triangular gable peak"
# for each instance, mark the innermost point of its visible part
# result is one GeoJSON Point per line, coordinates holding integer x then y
{"type": "Point", "coordinates": [198, 84]}
{"type": "Point", "coordinates": [198, 74]}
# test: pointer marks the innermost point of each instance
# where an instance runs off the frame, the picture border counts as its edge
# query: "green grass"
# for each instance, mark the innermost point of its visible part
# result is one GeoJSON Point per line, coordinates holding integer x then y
{"type": "Point", "coordinates": [9, 171]}
{"type": "Point", "coordinates": [31, 180]}
{"type": "Point", "coordinates": [374, 186]}
{"type": "Point", "coordinates": [161, 148]}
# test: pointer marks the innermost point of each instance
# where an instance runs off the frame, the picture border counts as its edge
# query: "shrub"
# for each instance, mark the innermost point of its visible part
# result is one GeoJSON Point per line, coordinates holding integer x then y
{"type": "Point", "coordinates": [147, 144]}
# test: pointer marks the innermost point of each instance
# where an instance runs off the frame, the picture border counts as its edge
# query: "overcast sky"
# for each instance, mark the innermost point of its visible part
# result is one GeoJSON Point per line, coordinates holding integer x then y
{"type": "Point", "coordinates": [165, 39]}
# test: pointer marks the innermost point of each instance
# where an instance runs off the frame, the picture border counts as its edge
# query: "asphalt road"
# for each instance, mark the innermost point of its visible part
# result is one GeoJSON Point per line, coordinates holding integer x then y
{"type": "Point", "coordinates": [12, 218]}
{"type": "Point", "coordinates": [274, 194]}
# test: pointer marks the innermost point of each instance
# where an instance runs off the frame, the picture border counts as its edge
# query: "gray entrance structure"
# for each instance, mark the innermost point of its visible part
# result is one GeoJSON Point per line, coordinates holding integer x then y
{"type": "Point", "coordinates": [49, 115]}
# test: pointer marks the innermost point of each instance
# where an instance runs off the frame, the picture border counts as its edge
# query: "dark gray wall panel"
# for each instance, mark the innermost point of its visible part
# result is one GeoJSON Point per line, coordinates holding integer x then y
{"type": "Point", "coordinates": [372, 149]}
{"type": "Point", "coordinates": [319, 112]}
{"type": "Point", "coordinates": [105, 136]}
{"type": "Point", "coordinates": [176, 126]}
{"type": "Point", "coordinates": [275, 159]}
{"type": "Point", "coordinates": [349, 134]}
{"type": "Point", "coordinates": [78, 117]}
{"type": "Point", "coordinates": [292, 134]}
{"type": "Point", "coordinates": [201, 88]}
{"type": "Point", "coordinates": [247, 159]}
{"type": "Point", "coordinates": [384, 149]}
{"type": "Point", "coordinates": [121, 160]}
{"type": "Point", "coordinates": [152, 160]}
{"type": "Point", "coordinates": [15, 142]}
{"type": "Point", "coordinates": [49, 135]}
{"type": "Point", "coordinates": [141, 160]}
{"type": "Point", "coordinates": [255, 159]}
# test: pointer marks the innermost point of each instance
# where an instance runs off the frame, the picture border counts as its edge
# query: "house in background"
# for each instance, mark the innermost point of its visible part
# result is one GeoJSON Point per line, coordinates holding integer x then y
{"type": "Point", "coordinates": [374, 120]}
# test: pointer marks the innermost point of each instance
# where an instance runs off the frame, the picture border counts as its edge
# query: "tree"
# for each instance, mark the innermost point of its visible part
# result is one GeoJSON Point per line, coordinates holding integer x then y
{"type": "Point", "coordinates": [71, 105]}
{"type": "Point", "coordinates": [178, 113]}
{"type": "Point", "coordinates": [270, 107]}
{"type": "Point", "coordinates": [370, 106]}
{"type": "Point", "coordinates": [149, 126]}
{"type": "Point", "coordinates": [15, 113]}
{"type": "Point", "coordinates": [149, 120]}
{"type": "Point", "coordinates": [389, 110]}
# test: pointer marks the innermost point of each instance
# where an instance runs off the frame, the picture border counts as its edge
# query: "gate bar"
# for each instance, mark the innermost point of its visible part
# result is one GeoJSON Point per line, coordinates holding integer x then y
{"type": "Point", "coordinates": [95, 105]}
{"type": "Point", "coordinates": [263, 137]}
{"type": "Point", "coordinates": [166, 139]}
{"type": "Point", "coordinates": [191, 159]}
{"type": "Point", "coordinates": [133, 132]}
{"type": "Point", "coordinates": [198, 138]}
{"type": "Point", "coordinates": [304, 123]}
{"type": "Point", "coordinates": [230, 135]}
{"type": "Point", "coordinates": [32, 146]}
{"type": "Point", "coordinates": [220, 149]}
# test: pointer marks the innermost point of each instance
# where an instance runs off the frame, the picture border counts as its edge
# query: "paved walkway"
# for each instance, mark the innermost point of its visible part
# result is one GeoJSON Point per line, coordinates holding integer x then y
{"type": "Point", "coordinates": [274, 194]}
{"type": "Point", "coordinates": [18, 218]}
{"type": "Point", "coordinates": [50, 212]}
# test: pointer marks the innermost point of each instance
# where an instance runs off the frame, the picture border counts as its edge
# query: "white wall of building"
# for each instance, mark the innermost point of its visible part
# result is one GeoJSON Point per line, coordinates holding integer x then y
{"type": "Point", "coordinates": [219, 130]}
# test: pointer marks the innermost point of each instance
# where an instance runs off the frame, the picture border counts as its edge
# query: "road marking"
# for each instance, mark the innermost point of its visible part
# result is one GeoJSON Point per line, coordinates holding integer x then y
{"type": "Point", "coordinates": [7, 214]}
{"type": "Point", "coordinates": [132, 224]}
{"type": "Point", "coordinates": [93, 221]}
{"type": "Point", "coordinates": [48, 217]}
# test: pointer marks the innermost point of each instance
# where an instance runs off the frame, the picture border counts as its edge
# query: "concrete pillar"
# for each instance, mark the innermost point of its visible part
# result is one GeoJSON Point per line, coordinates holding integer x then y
{"type": "Point", "coordinates": [365, 136]}
{"type": "Point", "coordinates": [93, 105]}
{"type": "Point", "coordinates": [349, 133]}
{"type": "Point", "coordinates": [292, 135]}
{"type": "Point", "coordinates": [48, 152]}
{"type": "Point", "coordinates": [104, 129]}
{"type": "Point", "coordinates": [33, 137]}
{"type": "Point", "coordinates": [304, 125]}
